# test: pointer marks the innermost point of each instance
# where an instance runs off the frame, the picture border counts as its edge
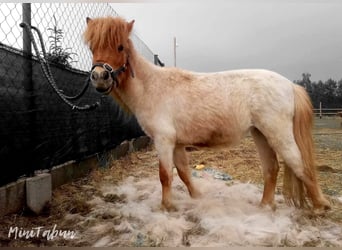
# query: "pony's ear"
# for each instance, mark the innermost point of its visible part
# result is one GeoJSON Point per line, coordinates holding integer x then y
{"type": "Point", "coordinates": [88, 20]}
{"type": "Point", "coordinates": [130, 25]}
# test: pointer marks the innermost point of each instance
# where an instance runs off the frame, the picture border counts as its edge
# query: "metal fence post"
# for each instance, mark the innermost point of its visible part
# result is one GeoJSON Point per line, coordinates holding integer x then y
{"type": "Point", "coordinates": [27, 50]}
{"type": "Point", "coordinates": [28, 87]}
{"type": "Point", "coordinates": [27, 19]}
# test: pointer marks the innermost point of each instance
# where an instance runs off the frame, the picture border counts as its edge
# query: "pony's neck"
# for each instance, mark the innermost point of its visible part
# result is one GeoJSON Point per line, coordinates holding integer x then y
{"type": "Point", "coordinates": [131, 93]}
{"type": "Point", "coordinates": [141, 67]}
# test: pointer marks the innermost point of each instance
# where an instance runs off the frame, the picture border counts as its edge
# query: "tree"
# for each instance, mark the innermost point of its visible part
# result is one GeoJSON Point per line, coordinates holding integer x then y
{"type": "Point", "coordinates": [339, 93]}
{"type": "Point", "coordinates": [317, 93]}
{"type": "Point", "coordinates": [330, 93]}
{"type": "Point", "coordinates": [306, 83]}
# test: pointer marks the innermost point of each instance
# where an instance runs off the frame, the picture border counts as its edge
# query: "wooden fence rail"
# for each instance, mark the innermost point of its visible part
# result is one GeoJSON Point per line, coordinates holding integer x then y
{"type": "Point", "coordinates": [327, 111]}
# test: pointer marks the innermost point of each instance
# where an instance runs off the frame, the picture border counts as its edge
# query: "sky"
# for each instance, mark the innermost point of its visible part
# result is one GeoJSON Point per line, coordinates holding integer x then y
{"type": "Point", "coordinates": [287, 36]}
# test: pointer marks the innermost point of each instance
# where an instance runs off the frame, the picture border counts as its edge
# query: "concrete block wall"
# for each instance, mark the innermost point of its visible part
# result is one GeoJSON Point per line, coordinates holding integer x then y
{"type": "Point", "coordinates": [38, 192]}
{"type": "Point", "coordinates": [15, 196]}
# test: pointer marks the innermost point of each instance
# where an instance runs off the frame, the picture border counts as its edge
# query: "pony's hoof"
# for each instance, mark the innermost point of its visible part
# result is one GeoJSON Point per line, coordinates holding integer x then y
{"type": "Point", "coordinates": [169, 207]}
{"type": "Point", "coordinates": [196, 195]}
{"type": "Point", "coordinates": [321, 211]}
{"type": "Point", "coordinates": [322, 208]}
{"type": "Point", "coordinates": [270, 205]}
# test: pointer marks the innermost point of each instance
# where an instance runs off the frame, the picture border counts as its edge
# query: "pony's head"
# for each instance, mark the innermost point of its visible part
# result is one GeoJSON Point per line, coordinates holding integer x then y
{"type": "Point", "coordinates": [108, 40]}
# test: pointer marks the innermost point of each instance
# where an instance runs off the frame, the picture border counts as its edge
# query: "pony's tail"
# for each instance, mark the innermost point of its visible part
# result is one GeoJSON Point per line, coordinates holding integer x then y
{"type": "Point", "coordinates": [293, 188]}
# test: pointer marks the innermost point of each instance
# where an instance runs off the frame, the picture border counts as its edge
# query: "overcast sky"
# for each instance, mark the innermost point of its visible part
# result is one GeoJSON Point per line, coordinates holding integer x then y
{"type": "Point", "coordinates": [287, 36]}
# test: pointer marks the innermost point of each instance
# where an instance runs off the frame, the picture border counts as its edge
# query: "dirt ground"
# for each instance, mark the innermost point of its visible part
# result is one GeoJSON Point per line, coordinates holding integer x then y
{"type": "Point", "coordinates": [240, 162]}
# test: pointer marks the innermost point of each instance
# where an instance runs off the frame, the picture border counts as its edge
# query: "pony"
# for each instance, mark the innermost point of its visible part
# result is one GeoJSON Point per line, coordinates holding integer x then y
{"type": "Point", "coordinates": [177, 108]}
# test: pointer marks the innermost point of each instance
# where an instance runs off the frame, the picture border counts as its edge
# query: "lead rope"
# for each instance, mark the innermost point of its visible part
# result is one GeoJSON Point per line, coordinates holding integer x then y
{"type": "Point", "coordinates": [47, 72]}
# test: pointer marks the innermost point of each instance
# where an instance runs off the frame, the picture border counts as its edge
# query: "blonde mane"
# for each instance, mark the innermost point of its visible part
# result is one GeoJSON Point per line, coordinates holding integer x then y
{"type": "Point", "coordinates": [107, 32]}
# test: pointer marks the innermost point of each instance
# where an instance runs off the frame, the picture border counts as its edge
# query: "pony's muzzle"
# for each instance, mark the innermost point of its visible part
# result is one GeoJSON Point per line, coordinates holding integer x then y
{"type": "Point", "coordinates": [101, 80]}
{"type": "Point", "coordinates": [104, 75]}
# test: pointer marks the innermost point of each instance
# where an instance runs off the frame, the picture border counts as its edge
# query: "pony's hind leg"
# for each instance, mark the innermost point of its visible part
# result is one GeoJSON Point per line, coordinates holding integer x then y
{"type": "Point", "coordinates": [180, 159]}
{"type": "Point", "coordinates": [299, 174]}
{"type": "Point", "coordinates": [285, 145]}
{"type": "Point", "coordinates": [269, 165]}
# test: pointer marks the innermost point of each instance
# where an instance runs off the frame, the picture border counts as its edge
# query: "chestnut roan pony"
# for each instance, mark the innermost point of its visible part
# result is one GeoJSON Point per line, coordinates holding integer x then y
{"type": "Point", "coordinates": [178, 108]}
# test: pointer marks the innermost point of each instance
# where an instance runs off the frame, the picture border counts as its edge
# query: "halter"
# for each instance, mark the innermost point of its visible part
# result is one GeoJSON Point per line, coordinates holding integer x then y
{"type": "Point", "coordinates": [113, 73]}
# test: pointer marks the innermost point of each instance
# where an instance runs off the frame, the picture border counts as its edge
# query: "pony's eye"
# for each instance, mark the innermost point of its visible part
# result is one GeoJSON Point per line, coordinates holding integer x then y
{"type": "Point", "coordinates": [120, 48]}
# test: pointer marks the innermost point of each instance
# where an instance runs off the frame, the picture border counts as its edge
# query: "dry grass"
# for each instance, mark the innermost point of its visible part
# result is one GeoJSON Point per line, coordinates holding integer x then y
{"type": "Point", "coordinates": [240, 162]}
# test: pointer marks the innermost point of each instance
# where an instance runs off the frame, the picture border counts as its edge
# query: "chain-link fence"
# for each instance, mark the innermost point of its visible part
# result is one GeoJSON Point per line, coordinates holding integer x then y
{"type": "Point", "coordinates": [69, 17]}
{"type": "Point", "coordinates": [38, 130]}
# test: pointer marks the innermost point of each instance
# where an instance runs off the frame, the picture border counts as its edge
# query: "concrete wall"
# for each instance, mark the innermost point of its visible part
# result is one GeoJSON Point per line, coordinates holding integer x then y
{"type": "Point", "coordinates": [13, 196]}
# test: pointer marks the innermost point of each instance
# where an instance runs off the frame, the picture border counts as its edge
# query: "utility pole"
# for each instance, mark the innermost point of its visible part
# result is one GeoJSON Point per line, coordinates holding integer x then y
{"type": "Point", "coordinates": [175, 45]}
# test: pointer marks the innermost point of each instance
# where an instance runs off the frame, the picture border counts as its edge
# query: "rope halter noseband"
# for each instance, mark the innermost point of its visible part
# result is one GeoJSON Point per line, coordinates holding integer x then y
{"type": "Point", "coordinates": [113, 73]}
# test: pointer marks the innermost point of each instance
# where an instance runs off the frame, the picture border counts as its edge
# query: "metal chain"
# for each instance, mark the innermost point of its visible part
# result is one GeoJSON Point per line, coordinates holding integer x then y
{"type": "Point", "coordinates": [48, 74]}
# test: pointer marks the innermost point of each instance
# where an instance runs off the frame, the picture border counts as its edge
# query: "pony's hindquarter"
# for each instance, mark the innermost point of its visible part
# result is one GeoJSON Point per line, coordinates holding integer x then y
{"type": "Point", "coordinates": [297, 186]}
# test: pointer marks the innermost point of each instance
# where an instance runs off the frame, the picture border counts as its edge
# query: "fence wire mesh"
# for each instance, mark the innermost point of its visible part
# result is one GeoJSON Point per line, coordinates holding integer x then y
{"type": "Point", "coordinates": [69, 17]}
{"type": "Point", "coordinates": [38, 130]}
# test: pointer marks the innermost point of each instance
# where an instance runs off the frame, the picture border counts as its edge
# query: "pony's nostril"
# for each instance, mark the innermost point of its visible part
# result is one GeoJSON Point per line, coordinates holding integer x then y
{"type": "Point", "coordinates": [94, 75]}
{"type": "Point", "coordinates": [105, 75]}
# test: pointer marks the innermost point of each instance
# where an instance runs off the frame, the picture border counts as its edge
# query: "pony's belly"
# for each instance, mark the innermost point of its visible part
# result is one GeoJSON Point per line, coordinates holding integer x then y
{"type": "Point", "coordinates": [218, 143]}
{"type": "Point", "coordinates": [215, 139]}
{"type": "Point", "coordinates": [215, 146]}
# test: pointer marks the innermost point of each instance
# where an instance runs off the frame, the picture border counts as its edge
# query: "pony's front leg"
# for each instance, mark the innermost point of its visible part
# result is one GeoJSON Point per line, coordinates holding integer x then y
{"type": "Point", "coordinates": [165, 149]}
